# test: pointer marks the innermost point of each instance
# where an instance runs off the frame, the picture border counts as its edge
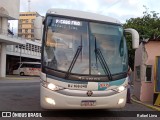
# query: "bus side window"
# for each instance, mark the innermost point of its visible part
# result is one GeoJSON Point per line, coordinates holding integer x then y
{"type": "Point", "coordinates": [37, 66]}
{"type": "Point", "coordinates": [15, 67]}
{"type": "Point", "coordinates": [23, 65]}
{"type": "Point", "coordinates": [30, 65]}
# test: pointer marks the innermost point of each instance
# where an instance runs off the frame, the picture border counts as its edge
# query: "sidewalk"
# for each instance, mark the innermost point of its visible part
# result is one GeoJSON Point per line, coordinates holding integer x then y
{"type": "Point", "coordinates": [149, 105]}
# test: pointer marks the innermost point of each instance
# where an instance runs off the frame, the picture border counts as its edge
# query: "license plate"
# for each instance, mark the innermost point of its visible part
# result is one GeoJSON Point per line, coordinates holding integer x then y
{"type": "Point", "coordinates": [88, 103]}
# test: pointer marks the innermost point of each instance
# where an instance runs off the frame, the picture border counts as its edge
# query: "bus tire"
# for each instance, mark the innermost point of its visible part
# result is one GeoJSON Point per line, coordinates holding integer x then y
{"type": "Point", "coordinates": [21, 73]}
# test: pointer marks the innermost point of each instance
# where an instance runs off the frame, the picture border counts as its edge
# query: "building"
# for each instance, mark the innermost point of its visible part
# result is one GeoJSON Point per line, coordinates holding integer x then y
{"type": "Point", "coordinates": [26, 28]}
{"type": "Point", "coordinates": [9, 10]}
{"type": "Point", "coordinates": [147, 72]}
{"type": "Point", "coordinates": [30, 52]}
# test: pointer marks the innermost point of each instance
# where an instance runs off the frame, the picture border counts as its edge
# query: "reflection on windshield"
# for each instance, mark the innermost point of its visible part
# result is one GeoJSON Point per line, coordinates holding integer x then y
{"type": "Point", "coordinates": [99, 55]}
{"type": "Point", "coordinates": [108, 39]}
{"type": "Point", "coordinates": [61, 46]}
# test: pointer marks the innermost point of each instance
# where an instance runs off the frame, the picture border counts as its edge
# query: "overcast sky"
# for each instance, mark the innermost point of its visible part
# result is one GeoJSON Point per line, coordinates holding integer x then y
{"type": "Point", "coordinates": [119, 9]}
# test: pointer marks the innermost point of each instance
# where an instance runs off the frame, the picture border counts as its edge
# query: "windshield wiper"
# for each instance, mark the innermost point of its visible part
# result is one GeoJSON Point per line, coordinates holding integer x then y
{"type": "Point", "coordinates": [102, 61]}
{"type": "Point", "coordinates": [79, 49]}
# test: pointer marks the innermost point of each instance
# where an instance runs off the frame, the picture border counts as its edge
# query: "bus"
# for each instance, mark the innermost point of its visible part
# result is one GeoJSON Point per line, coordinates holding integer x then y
{"type": "Point", "coordinates": [84, 61]}
{"type": "Point", "coordinates": [27, 68]}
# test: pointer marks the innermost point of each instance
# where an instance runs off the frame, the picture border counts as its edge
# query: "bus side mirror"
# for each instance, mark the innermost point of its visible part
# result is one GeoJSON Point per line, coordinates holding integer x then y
{"type": "Point", "coordinates": [135, 37]}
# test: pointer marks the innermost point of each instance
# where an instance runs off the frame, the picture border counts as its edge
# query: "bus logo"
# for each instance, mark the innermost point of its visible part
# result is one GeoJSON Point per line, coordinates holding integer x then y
{"type": "Point", "coordinates": [89, 93]}
{"type": "Point", "coordinates": [103, 85]}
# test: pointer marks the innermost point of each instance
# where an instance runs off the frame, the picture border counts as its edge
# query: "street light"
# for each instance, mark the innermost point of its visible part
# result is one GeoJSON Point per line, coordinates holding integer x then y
{"type": "Point", "coordinates": [20, 46]}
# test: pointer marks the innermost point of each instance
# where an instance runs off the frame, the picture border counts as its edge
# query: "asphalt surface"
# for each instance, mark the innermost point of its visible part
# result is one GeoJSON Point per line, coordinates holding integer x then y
{"type": "Point", "coordinates": [24, 95]}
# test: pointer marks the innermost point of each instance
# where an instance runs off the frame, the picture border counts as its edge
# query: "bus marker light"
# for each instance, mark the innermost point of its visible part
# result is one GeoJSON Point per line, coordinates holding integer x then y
{"type": "Point", "coordinates": [50, 101]}
{"type": "Point", "coordinates": [121, 100]}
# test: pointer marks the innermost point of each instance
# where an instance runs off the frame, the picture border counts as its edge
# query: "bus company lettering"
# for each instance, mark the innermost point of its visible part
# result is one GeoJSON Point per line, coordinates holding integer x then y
{"type": "Point", "coordinates": [69, 22]}
{"type": "Point", "coordinates": [77, 85]}
{"type": "Point", "coordinates": [39, 69]}
{"type": "Point", "coordinates": [89, 78]}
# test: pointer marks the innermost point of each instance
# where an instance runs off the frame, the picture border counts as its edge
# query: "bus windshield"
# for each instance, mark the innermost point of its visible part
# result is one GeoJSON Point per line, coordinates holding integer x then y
{"type": "Point", "coordinates": [72, 45]}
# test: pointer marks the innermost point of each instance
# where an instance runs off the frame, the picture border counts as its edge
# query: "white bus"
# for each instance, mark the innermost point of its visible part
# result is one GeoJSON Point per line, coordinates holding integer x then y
{"type": "Point", "coordinates": [84, 61]}
{"type": "Point", "coordinates": [27, 68]}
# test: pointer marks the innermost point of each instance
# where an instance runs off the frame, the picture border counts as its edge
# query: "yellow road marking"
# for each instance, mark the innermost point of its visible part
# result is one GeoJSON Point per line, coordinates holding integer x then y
{"type": "Point", "coordinates": [147, 105]}
{"type": "Point", "coordinates": [157, 100]}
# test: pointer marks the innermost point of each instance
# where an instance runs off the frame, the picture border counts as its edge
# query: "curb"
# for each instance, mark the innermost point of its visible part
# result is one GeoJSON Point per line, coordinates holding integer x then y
{"type": "Point", "coordinates": [147, 105]}
{"type": "Point", "coordinates": [17, 78]}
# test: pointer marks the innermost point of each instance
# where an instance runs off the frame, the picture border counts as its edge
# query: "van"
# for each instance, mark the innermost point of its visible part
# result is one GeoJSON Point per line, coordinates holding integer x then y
{"type": "Point", "coordinates": [27, 68]}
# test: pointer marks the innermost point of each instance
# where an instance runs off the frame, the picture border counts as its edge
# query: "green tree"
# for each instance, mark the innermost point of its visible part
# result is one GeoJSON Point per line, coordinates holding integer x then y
{"type": "Point", "coordinates": [147, 26]}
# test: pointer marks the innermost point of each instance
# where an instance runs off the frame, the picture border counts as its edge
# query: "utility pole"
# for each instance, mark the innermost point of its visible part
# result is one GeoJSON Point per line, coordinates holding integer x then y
{"type": "Point", "coordinates": [29, 1]}
{"type": "Point", "coordinates": [20, 58]}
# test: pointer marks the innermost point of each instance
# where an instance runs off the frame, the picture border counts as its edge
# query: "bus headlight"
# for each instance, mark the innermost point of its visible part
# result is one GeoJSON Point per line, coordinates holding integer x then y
{"type": "Point", "coordinates": [51, 86]}
{"type": "Point", "coordinates": [120, 88]}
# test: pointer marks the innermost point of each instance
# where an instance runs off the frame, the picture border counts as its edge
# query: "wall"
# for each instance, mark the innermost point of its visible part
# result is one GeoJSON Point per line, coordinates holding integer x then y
{"type": "Point", "coordinates": [147, 89]}
{"type": "Point", "coordinates": [9, 8]}
{"type": "Point", "coordinates": [138, 62]}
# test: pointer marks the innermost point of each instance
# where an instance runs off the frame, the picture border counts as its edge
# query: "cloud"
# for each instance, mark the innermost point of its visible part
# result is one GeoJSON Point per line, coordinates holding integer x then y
{"type": "Point", "coordinates": [117, 8]}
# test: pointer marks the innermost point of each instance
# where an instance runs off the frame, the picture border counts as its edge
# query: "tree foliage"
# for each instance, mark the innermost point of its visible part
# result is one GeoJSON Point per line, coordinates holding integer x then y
{"type": "Point", "coordinates": [147, 26]}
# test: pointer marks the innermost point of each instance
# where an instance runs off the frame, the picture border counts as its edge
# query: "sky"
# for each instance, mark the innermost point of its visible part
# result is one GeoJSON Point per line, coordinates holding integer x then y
{"type": "Point", "coordinates": [119, 9]}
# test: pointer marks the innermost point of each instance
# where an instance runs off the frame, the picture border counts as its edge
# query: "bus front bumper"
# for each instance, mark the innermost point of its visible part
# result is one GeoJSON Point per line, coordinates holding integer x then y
{"type": "Point", "coordinates": [53, 100]}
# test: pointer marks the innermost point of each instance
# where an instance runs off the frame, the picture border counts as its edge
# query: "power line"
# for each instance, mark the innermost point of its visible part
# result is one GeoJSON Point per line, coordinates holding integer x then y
{"type": "Point", "coordinates": [114, 3]}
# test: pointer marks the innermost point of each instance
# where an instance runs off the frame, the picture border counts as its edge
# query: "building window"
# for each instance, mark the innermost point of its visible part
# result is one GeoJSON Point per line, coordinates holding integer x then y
{"type": "Point", "coordinates": [138, 73]}
{"type": "Point", "coordinates": [20, 30]}
{"type": "Point", "coordinates": [32, 20]}
{"type": "Point", "coordinates": [26, 36]}
{"type": "Point", "coordinates": [20, 21]}
{"type": "Point", "coordinates": [19, 35]}
{"type": "Point", "coordinates": [20, 26]}
{"type": "Point", "coordinates": [26, 30]}
{"type": "Point", "coordinates": [32, 30]}
{"type": "Point", "coordinates": [26, 20]}
{"type": "Point", "coordinates": [148, 73]}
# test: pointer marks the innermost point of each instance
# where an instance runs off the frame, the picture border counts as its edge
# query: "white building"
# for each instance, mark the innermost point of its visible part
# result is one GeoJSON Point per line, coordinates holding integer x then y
{"type": "Point", "coordinates": [9, 10]}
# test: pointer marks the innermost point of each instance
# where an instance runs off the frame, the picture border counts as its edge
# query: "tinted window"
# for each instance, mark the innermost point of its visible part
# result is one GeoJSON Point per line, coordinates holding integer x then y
{"type": "Point", "coordinates": [15, 67]}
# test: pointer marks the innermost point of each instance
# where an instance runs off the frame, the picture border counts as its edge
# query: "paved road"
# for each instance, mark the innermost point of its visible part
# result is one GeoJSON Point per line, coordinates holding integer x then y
{"type": "Point", "coordinates": [24, 96]}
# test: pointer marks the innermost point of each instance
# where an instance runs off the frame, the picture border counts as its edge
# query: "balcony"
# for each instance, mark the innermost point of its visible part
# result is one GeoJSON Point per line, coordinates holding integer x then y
{"type": "Point", "coordinates": [10, 39]}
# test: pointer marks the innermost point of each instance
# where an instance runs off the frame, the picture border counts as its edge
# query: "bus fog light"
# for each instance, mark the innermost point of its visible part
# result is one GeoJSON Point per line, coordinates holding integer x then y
{"type": "Point", "coordinates": [51, 86]}
{"type": "Point", "coordinates": [50, 101]}
{"type": "Point", "coordinates": [121, 100]}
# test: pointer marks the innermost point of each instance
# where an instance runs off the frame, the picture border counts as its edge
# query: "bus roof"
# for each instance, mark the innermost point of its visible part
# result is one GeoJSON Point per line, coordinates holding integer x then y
{"type": "Point", "coordinates": [83, 15]}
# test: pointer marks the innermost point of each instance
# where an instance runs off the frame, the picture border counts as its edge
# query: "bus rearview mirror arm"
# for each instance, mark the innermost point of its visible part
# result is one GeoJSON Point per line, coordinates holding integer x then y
{"type": "Point", "coordinates": [135, 37]}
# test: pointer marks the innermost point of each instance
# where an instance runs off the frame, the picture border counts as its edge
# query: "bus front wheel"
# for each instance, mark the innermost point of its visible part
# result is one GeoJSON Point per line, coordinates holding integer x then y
{"type": "Point", "coordinates": [21, 73]}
